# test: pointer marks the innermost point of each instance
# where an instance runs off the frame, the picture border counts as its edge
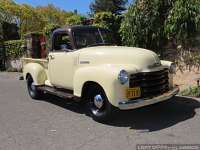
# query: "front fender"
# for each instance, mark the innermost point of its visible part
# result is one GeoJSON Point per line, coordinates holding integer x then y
{"type": "Point", "coordinates": [36, 71]}
{"type": "Point", "coordinates": [106, 76]}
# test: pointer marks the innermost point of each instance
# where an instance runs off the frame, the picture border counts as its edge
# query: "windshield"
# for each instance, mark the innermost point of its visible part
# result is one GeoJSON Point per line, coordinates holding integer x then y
{"type": "Point", "coordinates": [93, 37]}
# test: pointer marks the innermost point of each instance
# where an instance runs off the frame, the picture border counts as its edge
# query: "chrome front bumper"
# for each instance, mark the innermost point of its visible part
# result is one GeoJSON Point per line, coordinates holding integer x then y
{"type": "Point", "coordinates": [133, 104]}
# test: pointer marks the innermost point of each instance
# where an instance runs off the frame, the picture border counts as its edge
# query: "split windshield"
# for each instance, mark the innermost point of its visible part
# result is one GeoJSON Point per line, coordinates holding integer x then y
{"type": "Point", "coordinates": [93, 37]}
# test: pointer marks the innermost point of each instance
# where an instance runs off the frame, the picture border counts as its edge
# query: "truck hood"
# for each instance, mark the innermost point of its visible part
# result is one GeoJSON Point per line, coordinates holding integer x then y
{"type": "Point", "coordinates": [117, 55]}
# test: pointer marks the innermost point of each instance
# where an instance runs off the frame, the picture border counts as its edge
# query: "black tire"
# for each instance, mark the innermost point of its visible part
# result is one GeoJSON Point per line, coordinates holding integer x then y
{"type": "Point", "coordinates": [104, 113]}
{"type": "Point", "coordinates": [32, 89]}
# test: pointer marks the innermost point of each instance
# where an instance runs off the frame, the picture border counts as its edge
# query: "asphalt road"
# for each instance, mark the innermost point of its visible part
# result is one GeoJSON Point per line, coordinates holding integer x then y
{"type": "Point", "coordinates": [57, 124]}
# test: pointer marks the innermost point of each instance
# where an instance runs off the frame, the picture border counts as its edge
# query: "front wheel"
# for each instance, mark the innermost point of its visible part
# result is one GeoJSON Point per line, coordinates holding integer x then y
{"type": "Point", "coordinates": [98, 105]}
{"type": "Point", "coordinates": [32, 89]}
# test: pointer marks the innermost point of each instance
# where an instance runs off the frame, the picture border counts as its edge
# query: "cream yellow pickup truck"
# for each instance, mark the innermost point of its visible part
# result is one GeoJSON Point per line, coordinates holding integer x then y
{"type": "Point", "coordinates": [84, 64]}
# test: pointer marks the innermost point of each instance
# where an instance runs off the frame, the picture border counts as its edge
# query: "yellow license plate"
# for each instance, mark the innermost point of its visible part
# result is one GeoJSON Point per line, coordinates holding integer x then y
{"type": "Point", "coordinates": [133, 93]}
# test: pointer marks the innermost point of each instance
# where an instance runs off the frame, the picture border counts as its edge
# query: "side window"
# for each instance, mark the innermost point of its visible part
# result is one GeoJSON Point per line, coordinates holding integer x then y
{"type": "Point", "coordinates": [81, 40]}
{"type": "Point", "coordinates": [62, 42]}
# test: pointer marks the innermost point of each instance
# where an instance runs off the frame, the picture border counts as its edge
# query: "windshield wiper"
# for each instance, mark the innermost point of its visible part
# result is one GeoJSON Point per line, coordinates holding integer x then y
{"type": "Point", "coordinates": [99, 44]}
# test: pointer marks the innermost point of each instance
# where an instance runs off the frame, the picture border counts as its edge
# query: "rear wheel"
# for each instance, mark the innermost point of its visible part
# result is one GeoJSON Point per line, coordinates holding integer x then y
{"type": "Point", "coordinates": [32, 89]}
{"type": "Point", "coordinates": [98, 105]}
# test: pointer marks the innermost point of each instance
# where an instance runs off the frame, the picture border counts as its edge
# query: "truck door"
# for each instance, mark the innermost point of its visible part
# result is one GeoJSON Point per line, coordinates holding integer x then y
{"type": "Point", "coordinates": [61, 62]}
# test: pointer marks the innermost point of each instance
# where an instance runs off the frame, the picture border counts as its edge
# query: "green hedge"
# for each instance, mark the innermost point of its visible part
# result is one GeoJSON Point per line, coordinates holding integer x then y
{"type": "Point", "coordinates": [13, 49]}
{"type": "Point", "coordinates": [191, 91]}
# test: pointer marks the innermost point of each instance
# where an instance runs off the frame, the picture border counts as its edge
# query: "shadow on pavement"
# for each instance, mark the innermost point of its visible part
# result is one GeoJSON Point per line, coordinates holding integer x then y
{"type": "Point", "coordinates": [152, 118]}
{"type": "Point", "coordinates": [66, 104]}
{"type": "Point", "coordinates": [158, 116]}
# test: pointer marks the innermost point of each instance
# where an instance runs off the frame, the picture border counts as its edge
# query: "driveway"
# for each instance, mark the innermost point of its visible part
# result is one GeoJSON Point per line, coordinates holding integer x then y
{"type": "Point", "coordinates": [57, 124]}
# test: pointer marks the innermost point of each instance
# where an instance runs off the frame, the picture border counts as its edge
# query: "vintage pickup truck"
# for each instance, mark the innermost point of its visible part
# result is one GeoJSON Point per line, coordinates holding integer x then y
{"type": "Point", "coordinates": [83, 65]}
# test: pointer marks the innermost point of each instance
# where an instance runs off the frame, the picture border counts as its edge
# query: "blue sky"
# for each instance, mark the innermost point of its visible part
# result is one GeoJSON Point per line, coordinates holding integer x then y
{"type": "Point", "coordinates": [70, 5]}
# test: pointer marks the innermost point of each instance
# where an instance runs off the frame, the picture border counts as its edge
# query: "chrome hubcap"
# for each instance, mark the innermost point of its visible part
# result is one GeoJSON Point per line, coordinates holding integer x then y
{"type": "Point", "coordinates": [98, 101]}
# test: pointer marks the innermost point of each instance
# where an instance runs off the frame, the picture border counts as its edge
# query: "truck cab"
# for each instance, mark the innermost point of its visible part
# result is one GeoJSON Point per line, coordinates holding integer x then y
{"type": "Point", "coordinates": [85, 64]}
{"type": "Point", "coordinates": [65, 45]}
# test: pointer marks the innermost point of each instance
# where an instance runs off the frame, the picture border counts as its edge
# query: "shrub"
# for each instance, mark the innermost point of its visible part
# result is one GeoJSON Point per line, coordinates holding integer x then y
{"type": "Point", "coordinates": [192, 91]}
{"type": "Point", "coordinates": [13, 49]}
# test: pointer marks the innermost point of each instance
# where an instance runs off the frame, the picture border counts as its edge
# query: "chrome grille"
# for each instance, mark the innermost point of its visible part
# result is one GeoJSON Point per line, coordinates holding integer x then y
{"type": "Point", "coordinates": [151, 83]}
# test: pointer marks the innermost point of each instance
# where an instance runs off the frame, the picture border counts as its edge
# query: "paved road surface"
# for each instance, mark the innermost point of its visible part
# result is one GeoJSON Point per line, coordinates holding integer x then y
{"type": "Point", "coordinates": [56, 124]}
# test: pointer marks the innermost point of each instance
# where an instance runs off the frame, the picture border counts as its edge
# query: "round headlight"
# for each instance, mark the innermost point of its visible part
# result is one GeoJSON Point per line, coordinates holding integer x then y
{"type": "Point", "coordinates": [172, 68]}
{"type": "Point", "coordinates": [123, 77]}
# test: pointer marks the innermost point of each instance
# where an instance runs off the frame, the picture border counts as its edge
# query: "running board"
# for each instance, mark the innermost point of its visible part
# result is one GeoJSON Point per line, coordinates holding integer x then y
{"type": "Point", "coordinates": [62, 93]}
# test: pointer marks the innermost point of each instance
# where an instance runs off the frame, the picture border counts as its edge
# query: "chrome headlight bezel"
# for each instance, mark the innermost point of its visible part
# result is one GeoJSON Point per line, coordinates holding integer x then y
{"type": "Point", "coordinates": [123, 77]}
{"type": "Point", "coordinates": [172, 68]}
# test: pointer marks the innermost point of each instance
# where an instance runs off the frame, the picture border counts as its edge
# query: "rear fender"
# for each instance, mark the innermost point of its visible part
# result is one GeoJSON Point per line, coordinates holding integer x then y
{"type": "Point", "coordinates": [37, 72]}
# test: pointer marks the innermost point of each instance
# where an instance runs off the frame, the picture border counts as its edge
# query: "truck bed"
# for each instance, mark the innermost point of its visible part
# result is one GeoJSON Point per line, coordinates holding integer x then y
{"type": "Point", "coordinates": [43, 62]}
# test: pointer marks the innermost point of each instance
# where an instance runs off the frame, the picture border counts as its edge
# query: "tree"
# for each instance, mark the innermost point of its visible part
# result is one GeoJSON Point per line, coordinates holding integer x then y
{"type": "Point", "coordinates": [54, 15]}
{"type": "Point", "coordinates": [27, 18]}
{"type": "Point", "coordinates": [151, 24]}
{"type": "Point", "coordinates": [5, 16]}
{"type": "Point", "coordinates": [31, 19]}
{"type": "Point", "coordinates": [10, 7]}
{"type": "Point", "coordinates": [114, 6]}
{"type": "Point", "coordinates": [108, 14]}
{"type": "Point", "coordinates": [143, 24]}
{"type": "Point", "coordinates": [183, 22]}
{"type": "Point", "coordinates": [75, 20]}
